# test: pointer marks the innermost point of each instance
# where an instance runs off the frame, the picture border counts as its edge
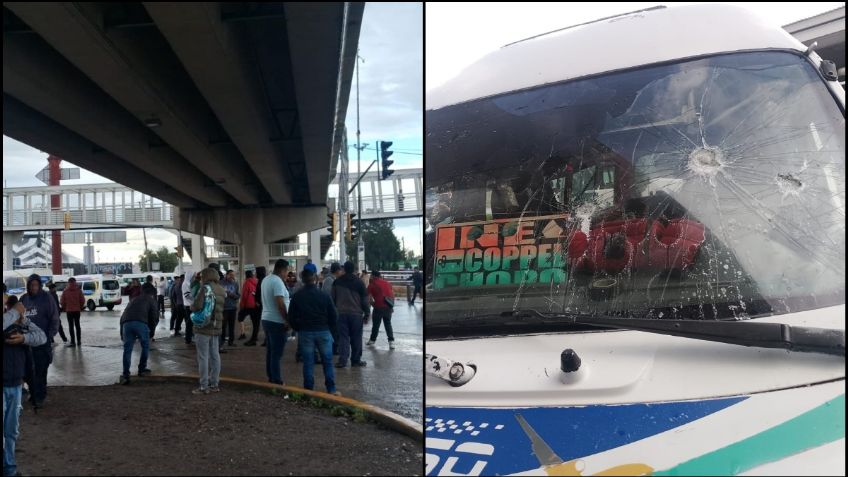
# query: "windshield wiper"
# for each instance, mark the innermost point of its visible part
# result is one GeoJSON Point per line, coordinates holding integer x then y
{"type": "Point", "coordinates": [453, 372]}
{"type": "Point", "coordinates": [745, 333]}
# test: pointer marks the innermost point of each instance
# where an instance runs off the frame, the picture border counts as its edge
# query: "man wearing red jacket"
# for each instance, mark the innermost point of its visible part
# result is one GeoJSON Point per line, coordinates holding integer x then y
{"type": "Point", "coordinates": [73, 302]}
{"type": "Point", "coordinates": [383, 299]}
{"type": "Point", "coordinates": [248, 308]}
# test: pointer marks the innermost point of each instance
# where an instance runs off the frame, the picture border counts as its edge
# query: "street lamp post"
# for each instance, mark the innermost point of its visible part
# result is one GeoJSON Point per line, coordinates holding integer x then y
{"type": "Point", "coordinates": [358, 166]}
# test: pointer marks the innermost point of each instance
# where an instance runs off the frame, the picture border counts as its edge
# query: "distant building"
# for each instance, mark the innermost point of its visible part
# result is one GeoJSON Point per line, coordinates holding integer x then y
{"type": "Point", "coordinates": [33, 250]}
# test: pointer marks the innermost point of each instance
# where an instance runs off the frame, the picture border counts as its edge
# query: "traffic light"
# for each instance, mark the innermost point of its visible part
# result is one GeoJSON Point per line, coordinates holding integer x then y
{"type": "Point", "coordinates": [352, 231]}
{"type": "Point", "coordinates": [385, 153]}
{"type": "Point", "coordinates": [333, 223]}
{"type": "Point", "coordinates": [179, 249]}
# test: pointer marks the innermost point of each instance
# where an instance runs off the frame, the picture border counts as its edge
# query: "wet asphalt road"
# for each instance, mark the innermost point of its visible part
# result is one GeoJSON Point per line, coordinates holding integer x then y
{"type": "Point", "coordinates": [393, 379]}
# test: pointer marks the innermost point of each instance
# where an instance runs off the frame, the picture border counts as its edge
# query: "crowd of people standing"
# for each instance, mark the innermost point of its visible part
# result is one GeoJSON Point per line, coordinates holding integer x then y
{"type": "Point", "coordinates": [326, 311]}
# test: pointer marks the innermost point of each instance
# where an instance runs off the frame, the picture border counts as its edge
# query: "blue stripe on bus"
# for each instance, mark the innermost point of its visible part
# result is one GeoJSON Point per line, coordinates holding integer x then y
{"type": "Point", "coordinates": [571, 432]}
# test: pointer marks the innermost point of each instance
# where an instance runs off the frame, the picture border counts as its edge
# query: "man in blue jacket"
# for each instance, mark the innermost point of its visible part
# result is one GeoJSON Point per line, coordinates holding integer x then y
{"type": "Point", "coordinates": [18, 334]}
{"type": "Point", "coordinates": [313, 315]}
{"type": "Point", "coordinates": [41, 309]}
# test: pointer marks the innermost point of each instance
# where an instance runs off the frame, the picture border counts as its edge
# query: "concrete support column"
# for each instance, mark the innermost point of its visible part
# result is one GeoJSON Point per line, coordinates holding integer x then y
{"type": "Point", "coordinates": [9, 239]}
{"type": "Point", "coordinates": [254, 249]}
{"type": "Point", "coordinates": [198, 252]}
{"type": "Point", "coordinates": [314, 241]}
{"type": "Point", "coordinates": [55, 209]}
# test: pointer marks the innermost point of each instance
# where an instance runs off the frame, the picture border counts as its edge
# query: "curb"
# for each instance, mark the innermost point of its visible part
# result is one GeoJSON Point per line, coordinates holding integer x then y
{"type": "Point", "coordinates": [389, 419]}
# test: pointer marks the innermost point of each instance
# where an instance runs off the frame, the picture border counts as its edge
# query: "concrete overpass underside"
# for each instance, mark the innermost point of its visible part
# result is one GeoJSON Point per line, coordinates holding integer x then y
{"type": "Point", "coordinates": [233, 112]}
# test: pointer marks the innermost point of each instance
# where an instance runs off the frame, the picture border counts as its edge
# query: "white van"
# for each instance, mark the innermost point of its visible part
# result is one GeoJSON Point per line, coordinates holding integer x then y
{"type": "Point", "coordinates": [636, 239]}
{"type": "Point", "coordinates": [15, 280]}
{"type": "Point", "coordinates": [126, 278]}
{"type": "Point", "coordinates": [61, 281]}
{"type": "Point", "coordinates": [98, 290]}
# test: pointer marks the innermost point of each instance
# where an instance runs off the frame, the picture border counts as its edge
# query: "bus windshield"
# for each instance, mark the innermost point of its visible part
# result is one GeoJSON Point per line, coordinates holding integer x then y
{"type": "Point", "coordinates": [710, 188]}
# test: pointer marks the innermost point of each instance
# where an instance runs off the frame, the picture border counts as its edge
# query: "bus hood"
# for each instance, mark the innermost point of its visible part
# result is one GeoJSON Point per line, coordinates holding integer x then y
{"type": "Point", "coordinates": [640, 404]}
{"type": "Point", "coordinates": [628, 367]}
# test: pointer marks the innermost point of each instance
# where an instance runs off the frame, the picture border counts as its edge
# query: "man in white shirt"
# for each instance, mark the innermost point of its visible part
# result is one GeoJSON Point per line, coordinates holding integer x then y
{"type": "Point", "coordinates": [275, 304]}
{"type": "Point", "coordinates": [160, 294]}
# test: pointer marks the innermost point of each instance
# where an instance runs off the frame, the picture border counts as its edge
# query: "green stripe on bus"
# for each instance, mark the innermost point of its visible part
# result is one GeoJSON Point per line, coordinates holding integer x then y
{"type": "Point", "coordinates": [814, 428]}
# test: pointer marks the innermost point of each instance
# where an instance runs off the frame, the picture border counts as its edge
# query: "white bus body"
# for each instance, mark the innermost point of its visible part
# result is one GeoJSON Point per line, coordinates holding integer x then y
{"type": "Point", "coordinates": [680, 164]}
{"type": "Point", "coordinates": [15, 280]}
{"type": "Point", "coordinates": [99, 291]}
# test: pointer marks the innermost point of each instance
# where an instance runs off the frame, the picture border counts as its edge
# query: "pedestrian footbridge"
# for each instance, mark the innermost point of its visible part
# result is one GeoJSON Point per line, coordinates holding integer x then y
{"type": "Point", "coordinates": [110, 205]}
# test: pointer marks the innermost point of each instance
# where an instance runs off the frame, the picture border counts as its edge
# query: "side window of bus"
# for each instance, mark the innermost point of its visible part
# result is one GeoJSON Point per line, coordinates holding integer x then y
{"type": "Point", "coordinates": [440, 201]}
{"type": "Point", "coordinates": [593, 184]}
{"type": "Point", "coordinates": [607, 178]}
{"type": "Point", "coordinates": [655, 173]}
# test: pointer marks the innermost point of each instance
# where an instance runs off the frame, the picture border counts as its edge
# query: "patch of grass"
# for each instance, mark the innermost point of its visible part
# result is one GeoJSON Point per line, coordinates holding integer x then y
{"type": "Point", "coordinates": [337, 410]}
{"type": "Point", "coordinates": [296, 397]}
{"type": "Point", "coordinates": [359, 415]}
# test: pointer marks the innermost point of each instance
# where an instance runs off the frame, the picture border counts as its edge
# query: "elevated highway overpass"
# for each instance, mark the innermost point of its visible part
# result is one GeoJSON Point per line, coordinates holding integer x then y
{"type": "Point", "coordinates": [231, 112]}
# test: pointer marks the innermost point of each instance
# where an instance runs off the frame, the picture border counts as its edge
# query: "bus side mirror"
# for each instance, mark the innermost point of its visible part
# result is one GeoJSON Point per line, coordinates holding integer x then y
{"type": "Point", "coordinates": [828, 70]}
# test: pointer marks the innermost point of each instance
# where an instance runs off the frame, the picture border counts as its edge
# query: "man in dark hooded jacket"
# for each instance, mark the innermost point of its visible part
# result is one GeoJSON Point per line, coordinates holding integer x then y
{"type": "Point", "coordinates": [41, 309]}
{"type": "Point", "coordinates": [51, 289]}
{"type": "Point", "coordinates": [149, 290]}
{"type": "Point", "coordinates": [351, 299]}
{"type": "Point", "coordinates": [139, 317]}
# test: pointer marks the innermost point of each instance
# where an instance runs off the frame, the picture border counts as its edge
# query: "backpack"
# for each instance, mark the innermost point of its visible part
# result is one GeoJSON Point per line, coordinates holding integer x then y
{"type": "Point", "coordinates": [204, 316]}
{"type": "Point", "coordinates": [257, 294]}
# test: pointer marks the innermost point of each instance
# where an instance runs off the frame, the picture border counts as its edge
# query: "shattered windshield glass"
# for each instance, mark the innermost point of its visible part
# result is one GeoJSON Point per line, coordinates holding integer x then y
{"type": "Point", "coordinates": [712, 188]}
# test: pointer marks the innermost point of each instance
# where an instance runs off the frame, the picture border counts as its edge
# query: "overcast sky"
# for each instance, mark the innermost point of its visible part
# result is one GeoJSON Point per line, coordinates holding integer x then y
{"type": "Point", "coordinates": [460, 33]}
{"type": "Point", "coordinates": [391, 99]}
{"type": "Point", "coordinates": [391, 79]}
{"type": "Point", "coordinates": [391, 105]}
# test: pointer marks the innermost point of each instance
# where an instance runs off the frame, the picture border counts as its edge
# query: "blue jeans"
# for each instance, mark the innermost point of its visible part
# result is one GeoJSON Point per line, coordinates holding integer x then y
{"type": "Point", "coordinates": [131, 331]}
{"type": "Point", "coordinates": [207, 354]}
{"type": "Point", "coordinates": [275, 338]}
{"type": "Point", "coordinates": [323, 340]}
{"type": "Point", "coordinates": [350, 338]}
{"type": "Point", "coordinates": [11, 414]}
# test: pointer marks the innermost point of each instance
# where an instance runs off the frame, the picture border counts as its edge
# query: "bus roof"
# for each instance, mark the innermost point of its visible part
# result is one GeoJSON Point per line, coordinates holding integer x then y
{"type": "Point", "coordinates": [621, 42]}
{"type": "Point", "coordinates": [95, 277]}
{"type": "Point", "coordinates": [25, 272]}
